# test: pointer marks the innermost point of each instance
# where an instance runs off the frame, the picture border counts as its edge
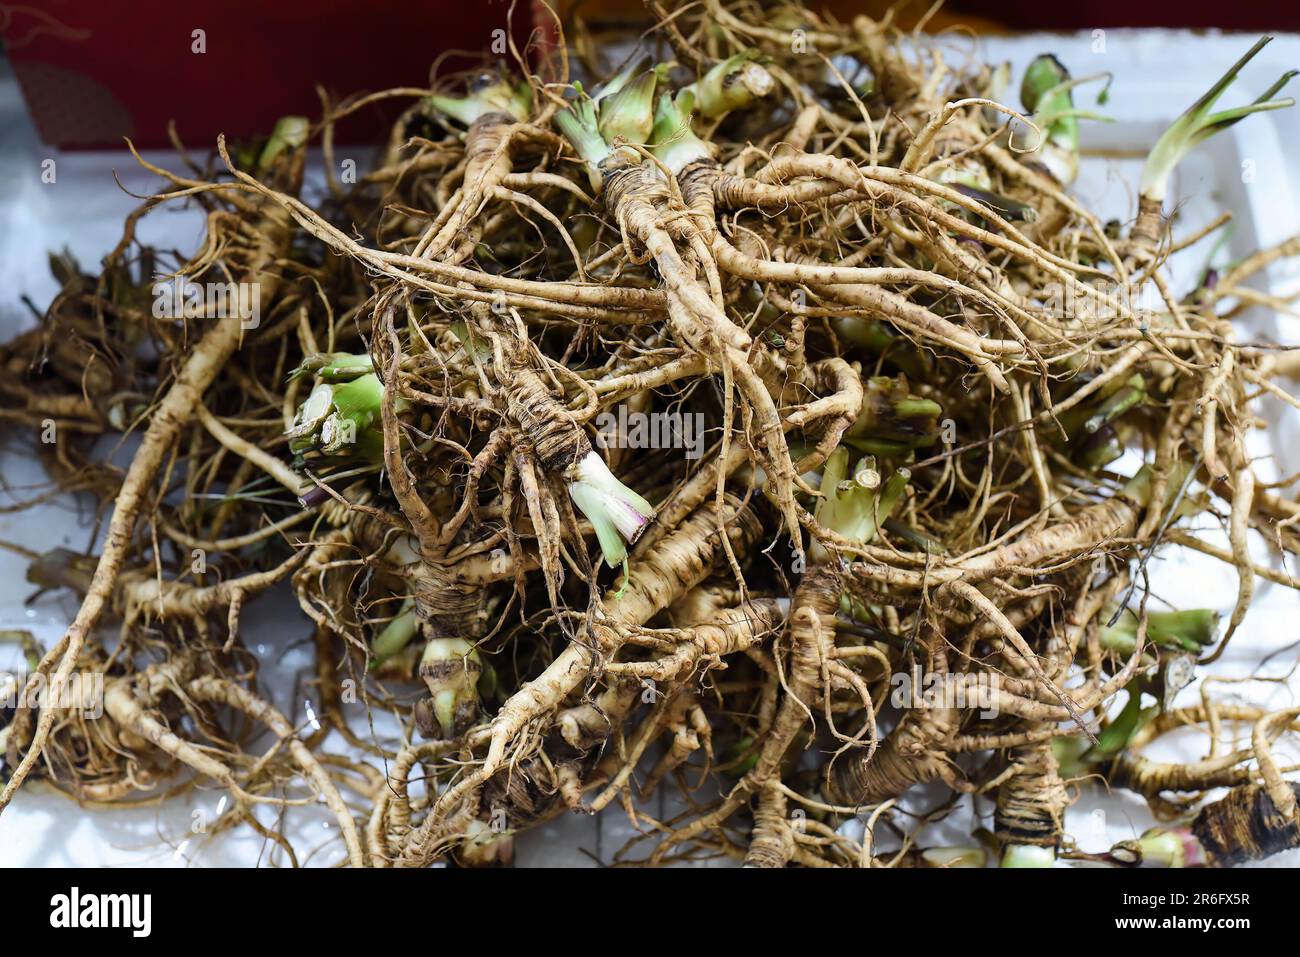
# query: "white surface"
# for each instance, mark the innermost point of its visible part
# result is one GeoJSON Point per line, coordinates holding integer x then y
{"type": "Point", "coordinates": [1156, 76]}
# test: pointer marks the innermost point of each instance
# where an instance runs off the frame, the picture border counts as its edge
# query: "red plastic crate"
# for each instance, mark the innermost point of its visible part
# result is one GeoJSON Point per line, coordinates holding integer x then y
{"type": "Point", "coordinates": [94, 71]}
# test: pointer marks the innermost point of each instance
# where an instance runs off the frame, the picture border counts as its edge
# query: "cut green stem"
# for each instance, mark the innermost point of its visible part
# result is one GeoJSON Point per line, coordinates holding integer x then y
{"type": "Point", "coordinates": [736, 82]}
{"type": "Point", "coordinates": [1189, 630]}
{"type": "Point", "coordinates": [334, 366]}
{"type": "Point", "coordinates": [290, 133]}
{"type": "Point", "coordinates": [854, 507]}
{"type": "Point", "coordinates": [580, 125]}
{"type": "Point", "coordinates": [1028, 855]}
{"type": "Point", "coordinates": [628, 115]}
{"type": "Point", "coordinates": [487, 93]}
{"type": "Point", "coordinates": [893, 417]}
{"type": "Point", "coordinates": [395, 636]}
{"type": "Point", "coordinates": [450, 669]}
{"type": "Point", "coordinates": [673, 142]}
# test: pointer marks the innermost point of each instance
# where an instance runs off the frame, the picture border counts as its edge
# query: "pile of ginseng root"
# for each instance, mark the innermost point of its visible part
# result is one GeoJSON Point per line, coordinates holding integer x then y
{"type": "Point", "coordinates": [744, 412]}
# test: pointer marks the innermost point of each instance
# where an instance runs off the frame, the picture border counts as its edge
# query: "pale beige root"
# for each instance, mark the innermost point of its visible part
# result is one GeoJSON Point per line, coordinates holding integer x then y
{"type": "Point", "coordinates": [548, 443]}
{"type": "Point", "coordinates": [488, 162]}
{"type": "Point", "coordinates": [913, 753]}
{"type": "Point", "coordinates": [171, 416]}
{"type": "Point", "coordinates": [811, 628]}
{"type": "Point", "coordinates": [677, 709]}
{"type": "Point", "coordinates": [719, 633]}
{"type": "Point", "coordinates": [897, 78]}
{"type": "Point", "coordinates": [708, 634]}
{"type": "Point", "coordinates": [772, 844]}
{"type": "Point", "coordinates": [922, 323]}
{"type": "Point", "coordinates": [450, 599]}
{"type": "Point", "coordinates": [1135, 772]}
{"type": "Point", "coordinates": [585, 725]}
{"type": "Point", "coordinates": [130, 703]}
{"type": "Point", "coordinates": [554, 432]}
{"type": "Point", "coordinates": [436, 835]}
{"type": "Point", "coordinates": [641, 205]}
{"type": "Point", "coordinates": [1023, 652]}
{"type": "Point", "coordinates": [1113, 518]}
{"type": "Point", "coordinates": [390, 819]}
{"type": "Point", "coordinates": [839, 389]}
{"type": "Point", "coordinates": [141, 594]}
{"type": "Point", "coordinates": [703, 603]}
{"type": "Point", "coordinates": [221, 691]}
{"type": "Point", "coordinates": [863, 289]}
{"type": "Point", "coordinates": [688, 725]}
{"type": "Point", "coordinates": [1150, 778]}
{"type": "Point", "coordinates": [1148, 227]}
{"type": "Point", "coordinates": [272, 466]}
{"type": "Point", "coordinates": [621, 765]}
{"type": "Point", "coordinates": [677, 563]}
{"type": "Point", "coordinates": [1031, 802]}
{"type": "Point", "coordinates": [727, 632]}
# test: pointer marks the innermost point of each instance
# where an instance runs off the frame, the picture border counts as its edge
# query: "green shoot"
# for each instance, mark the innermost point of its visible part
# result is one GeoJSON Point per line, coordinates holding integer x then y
{"type": "Point", "coordinates": [1198, 124]}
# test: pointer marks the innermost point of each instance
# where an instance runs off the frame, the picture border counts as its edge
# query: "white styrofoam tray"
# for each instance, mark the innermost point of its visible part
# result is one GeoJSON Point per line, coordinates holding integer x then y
{"type": "Point", "coordinates": [1249, 171]}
